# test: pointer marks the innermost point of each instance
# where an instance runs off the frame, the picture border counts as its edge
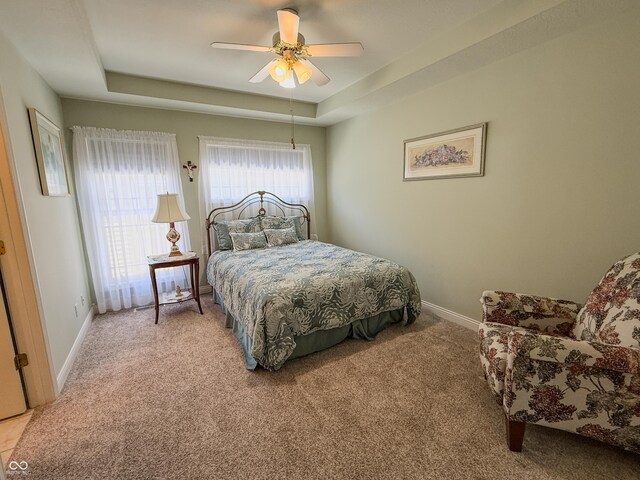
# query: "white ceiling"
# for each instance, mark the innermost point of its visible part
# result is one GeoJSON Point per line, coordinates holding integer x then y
{"type": "Point", "coordinates": [171, 39]}
{"type": "Point", "coordinates": [72, 43]}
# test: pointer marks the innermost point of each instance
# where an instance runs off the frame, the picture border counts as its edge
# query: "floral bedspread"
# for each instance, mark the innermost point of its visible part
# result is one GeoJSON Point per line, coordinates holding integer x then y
{"type": "Point", "coordinates": [282, 292]}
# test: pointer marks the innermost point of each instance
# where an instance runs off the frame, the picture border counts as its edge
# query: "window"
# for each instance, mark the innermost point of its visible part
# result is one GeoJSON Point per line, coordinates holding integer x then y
{"type": "Point", "coordinates": [118, 177]}
{"type": "Point", "coordinates": [231, 169]}
{"type": "Point", "coordinates": [126, 226]}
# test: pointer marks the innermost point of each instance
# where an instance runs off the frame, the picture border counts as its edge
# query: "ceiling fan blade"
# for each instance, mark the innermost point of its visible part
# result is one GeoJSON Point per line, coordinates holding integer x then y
{"type": "Point", "coordinates": [317, 76]}
{"type": "Point", "coordinates": [288, 23]}
{"type": "Point", "coordinates": [336, 50]}
{"type": "Point", "coordinates": [240, 46]}
{"type": "Point", "coordinates": [262, 73]}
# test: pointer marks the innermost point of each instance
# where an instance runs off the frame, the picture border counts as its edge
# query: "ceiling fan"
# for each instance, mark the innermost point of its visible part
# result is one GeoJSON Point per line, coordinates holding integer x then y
{"type": "Point", "coordinates": [292, 64]}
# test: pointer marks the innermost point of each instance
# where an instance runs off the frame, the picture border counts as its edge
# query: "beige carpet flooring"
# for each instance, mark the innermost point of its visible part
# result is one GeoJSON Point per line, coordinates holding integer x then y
{"type": "Point", "coordinates": [174, 401]}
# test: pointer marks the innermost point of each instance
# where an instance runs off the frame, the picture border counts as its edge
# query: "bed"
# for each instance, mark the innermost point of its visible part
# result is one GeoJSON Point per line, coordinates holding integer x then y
{"type": "Point", "coordinates": [286, 301]}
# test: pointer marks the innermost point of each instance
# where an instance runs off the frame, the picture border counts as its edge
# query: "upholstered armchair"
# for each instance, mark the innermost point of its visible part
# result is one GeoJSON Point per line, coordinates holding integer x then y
{"type": "Point", "coordinates": [559, 364]}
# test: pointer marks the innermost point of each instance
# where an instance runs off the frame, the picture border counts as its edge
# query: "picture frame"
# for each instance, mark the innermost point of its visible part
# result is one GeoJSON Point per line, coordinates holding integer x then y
{"type": "Point", "coordinates": [454, 153]}
{"type": "Point", "coordinates": [48, 143]}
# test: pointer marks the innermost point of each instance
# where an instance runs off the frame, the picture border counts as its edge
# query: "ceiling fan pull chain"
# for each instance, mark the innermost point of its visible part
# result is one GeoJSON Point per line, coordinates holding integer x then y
{"type": "Point", "coordinates": [293, 143]}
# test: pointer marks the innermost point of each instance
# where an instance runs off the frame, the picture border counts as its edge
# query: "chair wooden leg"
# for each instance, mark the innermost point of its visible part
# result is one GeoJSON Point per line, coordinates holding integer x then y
{"type": "Point", "coordinates": [515, 434]}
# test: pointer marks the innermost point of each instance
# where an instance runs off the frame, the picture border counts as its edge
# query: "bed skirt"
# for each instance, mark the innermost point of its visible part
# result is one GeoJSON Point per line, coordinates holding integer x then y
{"type": "Point", "coordinates": [365, 329]}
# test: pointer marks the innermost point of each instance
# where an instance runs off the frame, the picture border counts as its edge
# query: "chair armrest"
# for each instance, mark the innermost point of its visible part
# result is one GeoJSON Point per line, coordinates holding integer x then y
{"type": "Point", "coordinates": [549, 315]}
{"type": "Point", "coordinates": [579, 356]}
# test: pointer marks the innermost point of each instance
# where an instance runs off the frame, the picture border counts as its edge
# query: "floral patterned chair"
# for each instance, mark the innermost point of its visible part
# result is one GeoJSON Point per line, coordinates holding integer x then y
{"type": "Point", "coordinates": [556, 363]}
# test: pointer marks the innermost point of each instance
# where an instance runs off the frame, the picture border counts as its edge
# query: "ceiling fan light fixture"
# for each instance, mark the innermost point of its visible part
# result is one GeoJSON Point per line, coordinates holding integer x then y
{"type": "Point", "coordinates": [289, 82]}
{"type": "Point", "coordinates": [279, 70]}
{"type": "Point", "coordinates": [302, 72]}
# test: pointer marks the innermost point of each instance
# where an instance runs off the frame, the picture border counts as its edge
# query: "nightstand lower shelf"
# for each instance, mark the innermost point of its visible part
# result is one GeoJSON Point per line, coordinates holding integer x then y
{"type": "Point", "coordinates": [168, 299]}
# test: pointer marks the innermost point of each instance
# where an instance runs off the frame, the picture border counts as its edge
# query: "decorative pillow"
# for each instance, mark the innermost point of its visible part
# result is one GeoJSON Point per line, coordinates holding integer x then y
{"type": "Point", "coordinates": [272, 223]}
{"type": "Point", "coordinates": [300, 232]}
{"type": "Point", "coordinates": [269, 222]}
{"type": "Point", "coordinates": [248, 241]}
{"type": "Point", "coordinates": [225, 227]}
{"type": "Point", "coordinates": [281, 236]}
{"type": "Point", "coordinates": [611, 314]}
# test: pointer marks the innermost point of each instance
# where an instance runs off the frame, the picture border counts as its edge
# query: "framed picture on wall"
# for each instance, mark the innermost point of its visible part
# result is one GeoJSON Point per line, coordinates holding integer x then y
{"type": "Point", "coordinates": [50, 156]}
{"type": "Point", "coordinates": [455, 153]}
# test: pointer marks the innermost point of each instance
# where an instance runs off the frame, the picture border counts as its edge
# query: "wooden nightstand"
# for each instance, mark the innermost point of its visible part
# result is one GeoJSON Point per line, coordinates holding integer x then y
{"type": "Point", "coordinates": [165, 261]}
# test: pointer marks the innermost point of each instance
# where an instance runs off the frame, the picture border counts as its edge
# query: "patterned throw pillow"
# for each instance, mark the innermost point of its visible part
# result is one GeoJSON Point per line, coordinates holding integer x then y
{"type": "Point", "coordinates": [248, 241]}
{"type": "Point", "coordinates": [281, 236]}
{"type": "Point", "coordinates": [269, 222]}
{"type": "Point", "coordinates": [272, 223]}
{"type": "Point", "coordinates": [612, 311]}
{"type": "Point", "coordinates": [300, 232]}
{"type": "Point", "coordinates": [225, 227]}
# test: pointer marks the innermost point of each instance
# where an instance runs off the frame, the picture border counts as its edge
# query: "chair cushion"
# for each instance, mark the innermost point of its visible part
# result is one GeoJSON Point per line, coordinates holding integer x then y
{"type": "Point", "coordinates": [611, 314]}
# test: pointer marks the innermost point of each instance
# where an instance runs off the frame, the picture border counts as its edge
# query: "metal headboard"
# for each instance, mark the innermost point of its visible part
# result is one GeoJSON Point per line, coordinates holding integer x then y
{"type": "Point", "coordinates": [260, 197]}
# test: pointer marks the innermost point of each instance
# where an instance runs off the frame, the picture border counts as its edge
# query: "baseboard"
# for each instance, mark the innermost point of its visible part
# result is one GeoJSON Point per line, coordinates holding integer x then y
{"type": "Point", "coordinates": [68, 363]}
{"type": "Point", "coordinates": [451, 316]}
{"type": "Point", "coordinates": [205, 289]}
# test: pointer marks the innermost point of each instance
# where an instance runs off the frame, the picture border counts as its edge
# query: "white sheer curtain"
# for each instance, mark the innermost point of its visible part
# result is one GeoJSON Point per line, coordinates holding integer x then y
{"type": "Point", "coordinates": [118, 176]}
{"type": "Point", "coordinates": [233, 168]}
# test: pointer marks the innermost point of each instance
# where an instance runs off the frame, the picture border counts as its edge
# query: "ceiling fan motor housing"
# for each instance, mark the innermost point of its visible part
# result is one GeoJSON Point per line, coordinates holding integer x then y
{"type": "Point", "coordinates": [298, 50]}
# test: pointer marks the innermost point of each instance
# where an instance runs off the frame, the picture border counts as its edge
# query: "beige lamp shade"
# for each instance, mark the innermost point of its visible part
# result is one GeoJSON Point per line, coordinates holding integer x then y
{"type": "Point", "coordinates": [279, 69]}
{"type": "Point", "coordinates": [169, 209]}
{"type": "Point", "coordinates": [302, 72]}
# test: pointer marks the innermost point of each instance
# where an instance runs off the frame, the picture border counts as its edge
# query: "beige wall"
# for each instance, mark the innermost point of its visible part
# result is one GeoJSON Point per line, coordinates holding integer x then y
{"type": "Point", "coordinates": [187, 126]}
{"type": "Point", "coordinates": [559, 200]}
{"type": "Point", "coordinates": [52, 227]}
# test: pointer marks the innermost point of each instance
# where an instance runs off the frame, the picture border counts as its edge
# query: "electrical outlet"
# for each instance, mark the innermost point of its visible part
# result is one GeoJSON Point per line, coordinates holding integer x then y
{"type": "Point", "coordinates": [75, 307]}
{"type": "Point", "coordinates": [82, 300]}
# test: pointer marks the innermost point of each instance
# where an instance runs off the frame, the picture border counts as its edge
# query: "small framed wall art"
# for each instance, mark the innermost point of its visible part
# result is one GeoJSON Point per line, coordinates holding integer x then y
{"type": "Point", "coordinates": [455, 153]}
{"type": "Point", "coordinates": [49, 147]}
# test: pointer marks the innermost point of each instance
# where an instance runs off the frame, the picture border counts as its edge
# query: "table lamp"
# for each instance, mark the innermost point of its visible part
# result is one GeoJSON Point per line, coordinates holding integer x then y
{"type": "Point", "coordinates": [170, 211]}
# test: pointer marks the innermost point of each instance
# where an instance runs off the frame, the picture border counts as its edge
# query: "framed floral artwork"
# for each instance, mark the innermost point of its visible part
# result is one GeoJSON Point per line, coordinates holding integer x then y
{"type": "Point", "coordinates": [455, 153]}
{"type": "Point", "coordinates": [50, 156]}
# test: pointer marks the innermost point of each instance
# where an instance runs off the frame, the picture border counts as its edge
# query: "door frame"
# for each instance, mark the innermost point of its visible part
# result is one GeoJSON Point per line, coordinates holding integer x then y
{"type": "Point", "coordinates": [17, 268]}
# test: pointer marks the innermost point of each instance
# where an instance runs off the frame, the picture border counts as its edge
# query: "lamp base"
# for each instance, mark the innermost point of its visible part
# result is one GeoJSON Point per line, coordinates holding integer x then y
{"type": "Point", "coordinates": [173, 236]}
